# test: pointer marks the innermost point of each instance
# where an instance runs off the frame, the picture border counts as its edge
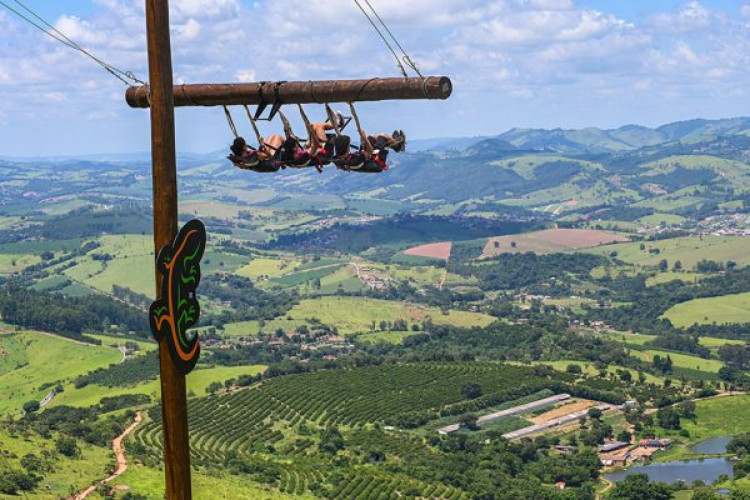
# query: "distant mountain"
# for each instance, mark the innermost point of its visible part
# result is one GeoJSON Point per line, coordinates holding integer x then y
{"type": "Point", "coordinates": [443, 143]}
{"type": "Point", "coordinates": [626, 138]}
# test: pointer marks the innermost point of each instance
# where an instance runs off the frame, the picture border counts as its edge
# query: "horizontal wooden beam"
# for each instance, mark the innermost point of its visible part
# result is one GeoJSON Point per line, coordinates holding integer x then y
{"type": "Point", "coordinates": [329, 91]}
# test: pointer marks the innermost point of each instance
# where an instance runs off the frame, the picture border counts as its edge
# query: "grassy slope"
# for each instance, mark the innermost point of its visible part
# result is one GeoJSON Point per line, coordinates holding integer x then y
{"type": "Point", "coordinates": [47, 359]}
{"type": "Point", "coordinates": [725, 309]}
{"type": "Point", "coordinates": [681, 360]}
{"type": "Point", "coordinates": [688, 250]}
{"type": "Point", "coordinates": [69, 474]}
{"type": "Point", "coordinates": [197, 382]}
{"type": "Point", "coordinates": [131, 267]}
{"type": "Point", "coordinates": [150, 483]}
{"type": "Point", "coordinates": [355, 314]}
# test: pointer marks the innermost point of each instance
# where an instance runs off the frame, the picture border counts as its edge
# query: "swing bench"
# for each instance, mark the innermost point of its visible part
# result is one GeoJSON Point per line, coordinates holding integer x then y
{"type": "Point", "coordinates": [337, 149]}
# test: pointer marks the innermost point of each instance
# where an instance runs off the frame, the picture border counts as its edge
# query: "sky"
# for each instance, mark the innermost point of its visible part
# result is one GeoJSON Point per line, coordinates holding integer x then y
{"type": "Point", "coordinates": [514, 63]}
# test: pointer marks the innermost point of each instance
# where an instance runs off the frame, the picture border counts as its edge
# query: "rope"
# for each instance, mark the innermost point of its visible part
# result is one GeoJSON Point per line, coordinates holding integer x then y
{"type": "Point", "coordinates": [308, 125]}
{"type": "Point", "coordinates": [385, 40]}
{"type": "Point", "coordinates": [124, 76]}
{"type": "Point", "coordinates": [288, 127]}
{"type": "Point", "coordinates": [406, 57]}
{"type": "Point", "coordinates": [362, 133]}
{"type": "Point", "coordinates": [230, 121]}
{"type": "Point", "coordinates": [261, 142]}
{"type": "Point", "coordinates": [334, 120]}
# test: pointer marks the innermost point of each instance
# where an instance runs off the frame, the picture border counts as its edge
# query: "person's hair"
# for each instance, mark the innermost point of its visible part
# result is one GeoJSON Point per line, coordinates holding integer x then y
{"type": "Point", "coordinates": [238, 146]}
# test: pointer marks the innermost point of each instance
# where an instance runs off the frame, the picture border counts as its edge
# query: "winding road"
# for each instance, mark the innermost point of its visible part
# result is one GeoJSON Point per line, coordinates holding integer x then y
{"type": "Point", "coordinates": [122, 463]}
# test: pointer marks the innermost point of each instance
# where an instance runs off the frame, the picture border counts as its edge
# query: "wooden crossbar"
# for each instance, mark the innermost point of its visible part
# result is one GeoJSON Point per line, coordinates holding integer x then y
{"type": "Point", "coordinates": [328, 91]}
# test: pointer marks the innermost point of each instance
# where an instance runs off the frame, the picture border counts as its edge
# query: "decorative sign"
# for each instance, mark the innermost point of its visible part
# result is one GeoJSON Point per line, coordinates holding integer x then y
{"type": "Point", "coordinates": [178, 308]}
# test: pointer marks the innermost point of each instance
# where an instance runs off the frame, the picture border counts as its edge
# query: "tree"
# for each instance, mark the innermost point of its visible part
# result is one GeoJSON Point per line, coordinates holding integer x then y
{"type": "Point", "coordinates": [331, 440]}
{"type": "Point", "coordinates": [625, 436]}
{"type": "Point", "coordinates": [12, 482]}
{"type": "Point", "coordinates": [678, 265]}
{"type": "Point", "coordinates": [68, 446]}
{"type": "Point", "coordinates": [638, 487]}
{"type": "Point", "coordinates": [213, 387]}
{"type": "Point", "coordinates": [735, 355]}
{"type": "Point", "coordinates": [705, 493]}
{"type": "Point", "coordinates": [668, 418]}
{"type": "Point", "coordinates": [469, 421]}
{"type": "Point", "coordinates": [573, 369]}
{"type": "Point", "coordinates": [663, 265]}
{"type": "Point", "coordinates": [595, 413]}
{"type": "Point", "coordinates": [471, 390]}
{"type": "Point", "coordinates": [31, 406]}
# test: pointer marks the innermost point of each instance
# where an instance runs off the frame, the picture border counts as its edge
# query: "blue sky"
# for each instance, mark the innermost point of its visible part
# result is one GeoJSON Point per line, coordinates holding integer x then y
{"type": "Point", "coordinates": [515, 63]}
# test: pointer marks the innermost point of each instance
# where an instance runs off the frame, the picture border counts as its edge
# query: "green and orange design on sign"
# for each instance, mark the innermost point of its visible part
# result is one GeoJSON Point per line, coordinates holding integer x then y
{"type": "Point", "coordinates": [178, 310]}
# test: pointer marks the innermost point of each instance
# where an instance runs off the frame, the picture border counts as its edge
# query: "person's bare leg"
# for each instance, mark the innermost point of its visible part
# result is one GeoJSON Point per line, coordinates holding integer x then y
{"type": "Point", "coordinates": [320, 129]}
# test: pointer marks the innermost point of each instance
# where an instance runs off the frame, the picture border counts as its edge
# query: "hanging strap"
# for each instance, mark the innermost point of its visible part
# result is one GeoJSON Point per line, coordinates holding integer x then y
{"type": "Point", "coordinates": [313, 141]}
{"type": "Point", "coordinates": [362, 135]}
{"type": "Point", "coordinates": [333, 119]}
{"type": "Point", "coordinates": [230, 121]}
{"type": "Point", "coordinates": [261, 142]}
{"type": "Point", "coordinates": [288, 128]}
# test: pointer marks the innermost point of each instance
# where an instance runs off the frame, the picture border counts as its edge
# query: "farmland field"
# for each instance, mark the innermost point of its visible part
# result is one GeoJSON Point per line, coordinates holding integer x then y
{"type": "Point", "coordinates": [355, 314]}
{"type": "Point", "coordinates": [725, 309]}
{"type": "Point", "coordinates": [432, 250]}
{"type": "Point", "coordinates": [550, 240]}
{"type": "Point", "coordinates": [131, 266]}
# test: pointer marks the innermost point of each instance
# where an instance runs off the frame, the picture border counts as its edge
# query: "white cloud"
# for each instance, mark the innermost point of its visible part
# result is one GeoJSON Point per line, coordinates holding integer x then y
{"type": "Point", "coordinates": [246, 75]}
{"type": "Point", "coordinates": [552, 53]}
{"type": "Point", "coordinates": [691, 17]}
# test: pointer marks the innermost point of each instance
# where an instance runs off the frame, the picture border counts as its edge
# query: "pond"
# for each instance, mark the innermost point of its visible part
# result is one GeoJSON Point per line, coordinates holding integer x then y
{"type": "Point", "coordinates": [706, 470]}
{"type": "Point", "coordinates": [712, 446]}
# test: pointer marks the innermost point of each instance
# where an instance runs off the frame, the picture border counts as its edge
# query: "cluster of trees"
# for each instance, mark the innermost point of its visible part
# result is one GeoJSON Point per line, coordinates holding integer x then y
{"type": "Point", "coordinates": [674, 341]}
{"type": "Point", "coordinates": [513, 271]}
{"type": "Point", "coordinates": [247, 301]}
{"type": "Point", "coordinates": [67, 316]}
{"type": "Point", "coordinates": [128, 373]}
{"type": "Point", "coordinates": [648, 303]}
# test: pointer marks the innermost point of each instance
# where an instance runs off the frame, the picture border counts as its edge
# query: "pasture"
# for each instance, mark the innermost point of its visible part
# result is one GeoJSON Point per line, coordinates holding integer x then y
{"type": "Point", "coordinates": [550, 240]}
{"type": "Point", "coordinates": [712, 421]}
{"type": "Point", "coordinates": [358, 315]}
{"type": "Point", "coordinates": [197, 383]}
{"type": "Point", "coordinates": [668, 276]}
{"type": "Point", "coordinates": [68, 474]}
{"type": "Point", "coordinates": [725, 309]}
{"type": "Point", "coordinates": [688, 250]}
{"type": "Point", "coordinates": [34, 362]}
{"type": "Point", "coordinates": [131, 266]}
{"type": "Point", "coordinates": [267, 267]}
{"type": "Point", "coordinates": [680, 360]}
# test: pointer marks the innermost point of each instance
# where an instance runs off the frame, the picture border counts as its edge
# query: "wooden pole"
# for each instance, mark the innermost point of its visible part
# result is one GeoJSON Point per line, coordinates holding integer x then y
{"type": "Point", "coordinates": [164, 170]}
{"type": "Point", "coordinates": [330, 91]}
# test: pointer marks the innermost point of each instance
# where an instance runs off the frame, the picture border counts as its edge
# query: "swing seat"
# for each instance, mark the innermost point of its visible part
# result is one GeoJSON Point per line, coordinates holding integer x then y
{"type": "Point", "coordinates": [255, 166]}
{"type": "Point", "coordinates": [356, 162]}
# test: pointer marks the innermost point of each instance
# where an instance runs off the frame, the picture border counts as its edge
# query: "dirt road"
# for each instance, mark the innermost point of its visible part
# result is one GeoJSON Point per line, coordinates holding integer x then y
{"type": "Point", "coordinates": [122, 463]}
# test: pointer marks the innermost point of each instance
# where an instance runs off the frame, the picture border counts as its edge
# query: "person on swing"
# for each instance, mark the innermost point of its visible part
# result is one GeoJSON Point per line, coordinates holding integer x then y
{"type": "Point", "coordinates": [265, 158]}
{"type": "Point", "coordinates": [373, 151]}
{"type": "Point", "coordinates": [319, 150]}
